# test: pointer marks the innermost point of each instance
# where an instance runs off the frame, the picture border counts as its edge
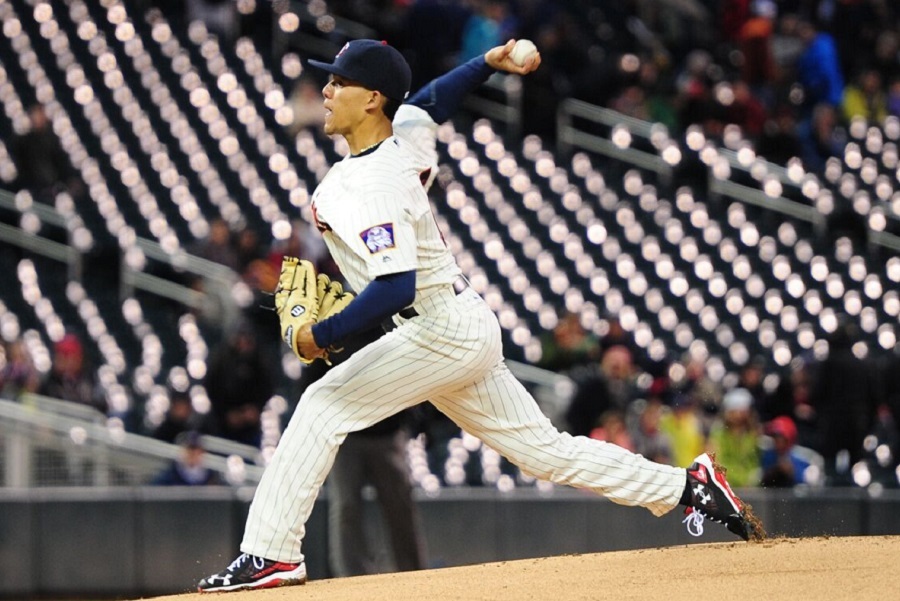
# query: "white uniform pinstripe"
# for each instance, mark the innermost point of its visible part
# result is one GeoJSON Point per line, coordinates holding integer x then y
{"type": "Point", "coordinates": [449, 354]}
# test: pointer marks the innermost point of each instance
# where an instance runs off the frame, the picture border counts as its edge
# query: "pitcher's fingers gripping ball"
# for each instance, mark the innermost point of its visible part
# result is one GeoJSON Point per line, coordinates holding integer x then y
{"type": "Point", "coordinates": [296, 301]}
{"type": "Point", "coordinates": [520, 57]}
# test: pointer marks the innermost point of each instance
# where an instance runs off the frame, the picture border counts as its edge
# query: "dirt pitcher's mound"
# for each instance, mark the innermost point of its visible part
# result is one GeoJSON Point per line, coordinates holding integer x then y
{"type": "Point", "coordinates": [820, 569]}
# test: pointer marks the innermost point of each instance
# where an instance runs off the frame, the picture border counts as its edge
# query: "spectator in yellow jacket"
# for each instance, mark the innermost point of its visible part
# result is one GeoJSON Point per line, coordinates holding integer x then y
{"type": "Point", "coordinates": [866, 98]}
{"type": "Point", "coordinates": [734, 438]}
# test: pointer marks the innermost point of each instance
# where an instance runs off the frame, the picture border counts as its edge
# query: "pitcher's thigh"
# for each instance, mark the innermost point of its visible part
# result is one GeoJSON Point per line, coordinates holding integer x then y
{"type": "Point", "coordinates": [504, 415]}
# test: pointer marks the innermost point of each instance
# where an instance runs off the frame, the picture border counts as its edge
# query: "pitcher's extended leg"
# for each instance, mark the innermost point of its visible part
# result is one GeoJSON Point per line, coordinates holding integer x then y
{"type": "Point", "coordinates": [500, 412]}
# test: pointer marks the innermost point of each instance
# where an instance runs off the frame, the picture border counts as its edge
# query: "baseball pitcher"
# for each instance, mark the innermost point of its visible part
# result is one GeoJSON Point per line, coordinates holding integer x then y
{"type": "Point", "coordinates": [373, 211]}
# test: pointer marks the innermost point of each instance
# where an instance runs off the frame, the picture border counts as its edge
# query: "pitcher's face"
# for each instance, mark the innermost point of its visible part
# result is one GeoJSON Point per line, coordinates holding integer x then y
{"type": "Point", "coordinates": [345, 104]}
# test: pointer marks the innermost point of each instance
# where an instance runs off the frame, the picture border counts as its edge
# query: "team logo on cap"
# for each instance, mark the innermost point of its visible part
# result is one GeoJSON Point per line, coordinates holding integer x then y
{"type": "Point", "coordinates": [342, 50]}
{"type": "Point", "coordinates": [379, 237]}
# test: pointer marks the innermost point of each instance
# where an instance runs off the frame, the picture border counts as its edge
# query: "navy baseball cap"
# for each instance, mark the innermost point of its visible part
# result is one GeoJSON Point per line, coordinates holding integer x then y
{"type": "Point", "coordinates": [374, 64]}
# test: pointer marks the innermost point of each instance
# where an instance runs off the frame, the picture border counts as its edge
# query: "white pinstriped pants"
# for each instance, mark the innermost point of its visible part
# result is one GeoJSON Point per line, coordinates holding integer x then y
{"type": "Point", "coordinates": [450, 355]}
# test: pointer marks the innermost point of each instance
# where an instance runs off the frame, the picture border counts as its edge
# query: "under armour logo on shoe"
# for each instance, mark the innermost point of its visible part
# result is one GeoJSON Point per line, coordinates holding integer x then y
{"type": "Point", "coordinates": [226, 579]}
{"type": "Point", "coordinates": [704, 498]}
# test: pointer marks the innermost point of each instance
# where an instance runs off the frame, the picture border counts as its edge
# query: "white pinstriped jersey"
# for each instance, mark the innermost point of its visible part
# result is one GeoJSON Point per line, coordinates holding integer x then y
{"type": "Point", "coordinates": [374, 214]}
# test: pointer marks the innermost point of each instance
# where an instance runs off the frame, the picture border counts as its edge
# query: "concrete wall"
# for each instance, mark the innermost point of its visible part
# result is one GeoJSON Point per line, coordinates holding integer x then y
{"type": "Point", "coordinates": [149, 541]}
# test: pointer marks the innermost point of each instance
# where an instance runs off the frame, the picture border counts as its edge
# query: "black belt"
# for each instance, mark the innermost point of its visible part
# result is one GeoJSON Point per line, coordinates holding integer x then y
{"type": "Point", "coordinates": [459, 286]}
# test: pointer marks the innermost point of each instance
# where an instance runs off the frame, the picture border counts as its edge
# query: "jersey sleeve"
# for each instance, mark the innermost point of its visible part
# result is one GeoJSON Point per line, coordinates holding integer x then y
{"type": "Point", "coordinates": [418, 131]}
{"type": "Point", "coordinates": [382, 233]}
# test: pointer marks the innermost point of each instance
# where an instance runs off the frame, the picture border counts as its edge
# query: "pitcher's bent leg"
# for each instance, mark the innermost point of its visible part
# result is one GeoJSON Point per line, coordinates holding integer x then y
{"type": "Point", "coordinates": [500, 412]}
{"type": "Point", "coordinates": [393, 373]}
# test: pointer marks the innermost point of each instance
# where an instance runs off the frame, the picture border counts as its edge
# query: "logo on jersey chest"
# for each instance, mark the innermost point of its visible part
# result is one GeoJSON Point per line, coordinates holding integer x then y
{"type": "Point", "coordinates": [379, 237]}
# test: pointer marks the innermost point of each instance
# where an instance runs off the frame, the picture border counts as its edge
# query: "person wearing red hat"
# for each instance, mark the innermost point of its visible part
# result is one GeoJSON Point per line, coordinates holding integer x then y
{"type": "Point", "coordinates": [71, 379]}
{"type": "Point", "coordinates": [783, 464]}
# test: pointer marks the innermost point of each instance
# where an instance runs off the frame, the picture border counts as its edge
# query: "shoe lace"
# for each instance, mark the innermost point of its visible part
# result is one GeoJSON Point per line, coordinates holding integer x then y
{"type": "Point", "coordinates": [694, 522]}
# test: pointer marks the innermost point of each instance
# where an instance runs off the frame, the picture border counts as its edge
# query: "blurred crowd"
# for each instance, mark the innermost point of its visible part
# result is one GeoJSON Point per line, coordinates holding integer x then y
{"type": "Point", "coordinates": [790, 73]}
{"type": "Point", "coordinates": [244, 369]}
{"type": "Point", "coordinates": [822, 421]}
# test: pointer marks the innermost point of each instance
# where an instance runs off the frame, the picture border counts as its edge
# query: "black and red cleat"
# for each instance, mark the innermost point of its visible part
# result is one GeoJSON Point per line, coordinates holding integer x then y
{"type": "Point", "coordinates": [712, 497]}
{"type": "Point", "coordinates": [251, 572]}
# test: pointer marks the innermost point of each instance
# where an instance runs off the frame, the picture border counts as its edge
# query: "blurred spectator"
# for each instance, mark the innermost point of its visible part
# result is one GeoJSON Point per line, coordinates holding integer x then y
{"type": "Point", "coordinates": [706, 393]}
{"type": "Point", "coordinates": [778, 142]}
{"type": "Point", "coordinates": [18, 375]}
{"type": "Point", "coordinates": [179, 418]}
{"type": "Point", "coordinates": [733, 14]}
{"type": "Point", "coordinates": [632, 101]}
{"type": "Point", "coordinates": [887, 55]}
{"type": "Point", "coordinates": [433, 29]}
{"type": "Point", "coordinates": [567, 70]}
{"type": "Point", "coordinates": [220, 16]}
{"type": "Point", "coordinates": [684, 428]}
{"type": "Point", "coordinates": [618, 365]}
{"type": "Point", "coordinates": [693, 100]}
{"type": "Point", "coordinates": [247, 248]}
{"type": "Point", "coordinates": [844, 395]}
{"type": "Point", "coordinates": [261, 277]}
{"type": "Point", "coordinates": [866, 99]}
{"type": "Point", "coordinates": [648, 438]}
{"type": "Point", "coordinates": [188, 469]}
{"type": "Point", "coordinates": [821, 138]}
{"type": "Point", "coordinates": [787, 46]}
{"type": "Point", "coordinates": [751, 379]}
{"type": "Point", "coordinates": [616, 335]}
{"type": "Point", "coordinates": [783, 464]}
{"type": "Point", "coordinates": [611, 428]}
{"type": "Point", "coordinates": [733, 438]}
{"type": "Point", "coordinates": [746, 110]}
{"type": "Point", "coordinates": [758, 67]}
{"type": "Point", "coordinates": [239, 383]}
{"type": "Point", "coordinates": [43, 166]}
{"type": "Point", "coordinates": [792, 399]}
{"type": "Point", "coordinates": [599, 388]}
{"type": "Point", "coordinates": [217, 246]}
{"type": "Point", "coordinates": [568, 345]}
{"type": "Point", "coordinates": [893, 99]}
{"type": "Point", "coordinates": [70, 378]}
{"type": "Point", "coordinates": [855, 25]}
{"type": "Point", "coordinates": [217, 309]}
{"type": "Point", "coordinates": [490, 25]}
{"type": "Point", "coordinates": [306, 102]}
{"type": "Point", "coordinates": [658, 98]}
{"type": "Point", "coordinates": [818, 68]}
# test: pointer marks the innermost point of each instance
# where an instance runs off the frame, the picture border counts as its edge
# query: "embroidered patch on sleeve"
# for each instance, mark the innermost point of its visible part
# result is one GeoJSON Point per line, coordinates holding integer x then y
{"type": "Point", "coordinates": [379, 237]}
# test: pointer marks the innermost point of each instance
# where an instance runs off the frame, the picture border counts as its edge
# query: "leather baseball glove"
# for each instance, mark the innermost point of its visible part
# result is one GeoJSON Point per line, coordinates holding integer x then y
{"type": "Point", "coordinates": [332, 297]}
{"type": "Point", "coordinates": [302, 297]}
{"type": "Point", "coordinates": [296, 300]}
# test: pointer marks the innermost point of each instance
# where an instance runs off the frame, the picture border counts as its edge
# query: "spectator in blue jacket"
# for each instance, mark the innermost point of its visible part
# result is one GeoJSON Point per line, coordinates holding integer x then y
{"type": "Point", "coordinates": [188, 469]}
{"type": "Point", "coordinates": [819, 67]}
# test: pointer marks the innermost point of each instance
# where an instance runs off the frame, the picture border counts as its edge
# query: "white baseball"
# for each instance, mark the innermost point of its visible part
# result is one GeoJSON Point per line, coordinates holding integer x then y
{"type": "Point", "coordinates": [522, 50]}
